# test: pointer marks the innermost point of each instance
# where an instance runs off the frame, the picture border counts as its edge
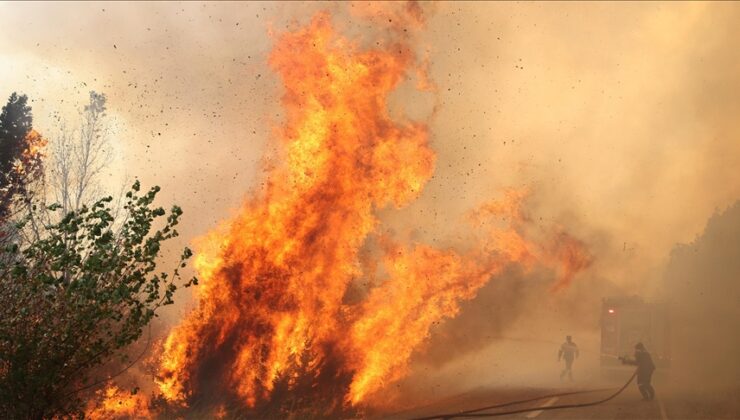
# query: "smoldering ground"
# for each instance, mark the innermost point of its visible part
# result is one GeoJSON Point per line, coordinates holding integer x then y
{"type": "Point", "coordinates": [621, 119]}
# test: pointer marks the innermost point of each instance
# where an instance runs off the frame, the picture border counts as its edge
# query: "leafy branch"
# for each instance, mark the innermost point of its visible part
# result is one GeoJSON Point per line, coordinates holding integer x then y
{"type": "Point", "coordinates": [77, 296]}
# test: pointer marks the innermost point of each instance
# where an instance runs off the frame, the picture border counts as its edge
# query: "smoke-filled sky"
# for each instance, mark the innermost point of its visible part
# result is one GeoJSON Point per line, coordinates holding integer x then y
{"type": "Point", "coordinates": [621, 118]}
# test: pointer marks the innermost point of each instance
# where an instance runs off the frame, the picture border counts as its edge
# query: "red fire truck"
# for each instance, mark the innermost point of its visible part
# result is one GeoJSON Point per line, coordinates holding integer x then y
{"type": "Point", "coordinates": [626, 321]}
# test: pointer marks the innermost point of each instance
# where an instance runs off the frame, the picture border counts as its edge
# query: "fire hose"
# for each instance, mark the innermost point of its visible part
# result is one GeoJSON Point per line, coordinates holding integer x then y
{"type": "Point", "coordinates": [476, 412]}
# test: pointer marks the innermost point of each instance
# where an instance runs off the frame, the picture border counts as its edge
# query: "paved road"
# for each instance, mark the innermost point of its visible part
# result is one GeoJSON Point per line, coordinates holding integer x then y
{"type": "Point", "coordinates": [673, 402]}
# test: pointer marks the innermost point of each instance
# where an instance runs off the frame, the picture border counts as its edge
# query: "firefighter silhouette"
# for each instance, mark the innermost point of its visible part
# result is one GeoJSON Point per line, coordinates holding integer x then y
{"type": "Point", "coordinates": [645, 368]}
{"type": "Point", "coordinates": [568, 352]}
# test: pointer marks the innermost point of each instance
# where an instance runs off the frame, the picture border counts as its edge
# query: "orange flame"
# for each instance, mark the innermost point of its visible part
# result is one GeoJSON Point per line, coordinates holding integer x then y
{"type": "Point", "coordinates": [424, 286]}
{"type": "Point", "coordinates": [30, 160]}
{"type": "Point", "coordinates": [274, 278]}
{"type": "Point", "coordinates": [271, 305]}
{"type": "Point", "coordinates": [118, 404]}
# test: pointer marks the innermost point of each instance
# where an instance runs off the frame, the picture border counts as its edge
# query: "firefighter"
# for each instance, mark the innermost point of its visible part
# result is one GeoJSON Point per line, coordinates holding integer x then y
{"type": "Point", "coordinates": [568, 352]}
{"type": "Point", "coordinates": [645, 368]}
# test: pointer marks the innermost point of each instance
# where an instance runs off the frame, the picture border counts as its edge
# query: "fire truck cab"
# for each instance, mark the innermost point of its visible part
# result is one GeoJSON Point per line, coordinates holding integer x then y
{"type": "Point", "coordinates": [626, 321]}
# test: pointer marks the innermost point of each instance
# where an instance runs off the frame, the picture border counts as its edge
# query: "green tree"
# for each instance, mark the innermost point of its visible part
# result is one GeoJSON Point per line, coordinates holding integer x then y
{"type": "Point", "coordinates": [19, 164]}
{"type": "Point", "coordinates": [15, 123]}
{"type": "Point", "coordinates": [76, 297]}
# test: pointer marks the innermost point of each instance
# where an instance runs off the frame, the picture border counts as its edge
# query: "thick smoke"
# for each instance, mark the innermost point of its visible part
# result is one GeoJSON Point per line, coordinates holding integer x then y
{"type": "Point", "coordinates": [702, 281]}
{"type": "Point", "coordinates": [620, 118]}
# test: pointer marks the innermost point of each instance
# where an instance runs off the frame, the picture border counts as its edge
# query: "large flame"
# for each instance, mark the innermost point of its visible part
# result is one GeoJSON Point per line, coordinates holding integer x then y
{"type": "Point", "coordinates": [274, 278]}
{"type": "Point", "coordinates": [271, 305]}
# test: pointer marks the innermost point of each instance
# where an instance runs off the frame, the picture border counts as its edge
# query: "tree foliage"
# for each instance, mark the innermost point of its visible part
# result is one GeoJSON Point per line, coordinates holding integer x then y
{"type": "Point", "coordinates": [77, 296]}
{"type": "Point", "coordinates": [15, 122]}
{"type": "Point", "coordinates": [20, 157]}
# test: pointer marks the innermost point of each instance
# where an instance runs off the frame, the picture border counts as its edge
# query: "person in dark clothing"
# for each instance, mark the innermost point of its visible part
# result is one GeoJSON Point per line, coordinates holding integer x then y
{"type": "Point", "coordinates": [568, 352]}
{"type": "Point", "coordinates": [645, 368]}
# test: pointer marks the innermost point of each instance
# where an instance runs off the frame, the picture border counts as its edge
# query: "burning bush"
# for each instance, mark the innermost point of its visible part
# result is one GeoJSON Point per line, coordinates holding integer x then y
{"type": "Point", "coordinates": [272, 330]}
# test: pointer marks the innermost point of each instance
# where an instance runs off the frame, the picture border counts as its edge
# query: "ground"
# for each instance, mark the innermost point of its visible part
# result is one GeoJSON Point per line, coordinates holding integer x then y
{"type": "Point", "coordinates": [673, 401]}
{"type": "Point", "coordinates": [515, 369]}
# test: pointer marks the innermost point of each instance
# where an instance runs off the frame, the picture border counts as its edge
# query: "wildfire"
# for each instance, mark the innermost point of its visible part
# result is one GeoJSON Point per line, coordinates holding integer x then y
{"type": "Point", "coordinates": [271, 311]}
{"type": "Point", "coordinates": [115, 403]}
{"type": "Point", "coordinates": [32, 155]}
{"type": "Point", "coordinates": [274, 278]}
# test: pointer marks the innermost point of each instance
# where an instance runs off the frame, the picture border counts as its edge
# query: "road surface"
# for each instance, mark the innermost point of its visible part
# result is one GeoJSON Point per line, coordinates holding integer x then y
{"type": "Point", "coordinates": [673, 401]}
